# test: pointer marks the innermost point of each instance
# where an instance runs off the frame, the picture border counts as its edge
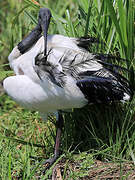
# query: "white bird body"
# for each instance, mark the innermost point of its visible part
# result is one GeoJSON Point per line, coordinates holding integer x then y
{"type": "Point", "coordinates": [27, 89]}
{"type": "Point", "coordinates": [44, 96]}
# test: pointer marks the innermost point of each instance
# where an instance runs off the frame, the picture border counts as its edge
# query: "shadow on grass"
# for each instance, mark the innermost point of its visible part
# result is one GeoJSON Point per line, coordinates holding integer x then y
{"type": "Point", "coordinates": [100, 126]}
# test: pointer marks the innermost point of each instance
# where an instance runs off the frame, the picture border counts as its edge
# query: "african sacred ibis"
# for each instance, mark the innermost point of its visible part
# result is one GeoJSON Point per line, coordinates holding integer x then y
{"type": "Point", "coordinates": [54, 73]}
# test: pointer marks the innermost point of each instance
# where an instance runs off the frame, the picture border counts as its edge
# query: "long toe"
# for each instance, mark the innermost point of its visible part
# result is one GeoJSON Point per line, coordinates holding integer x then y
{"type": "Point", "coordinates": [49, 162]}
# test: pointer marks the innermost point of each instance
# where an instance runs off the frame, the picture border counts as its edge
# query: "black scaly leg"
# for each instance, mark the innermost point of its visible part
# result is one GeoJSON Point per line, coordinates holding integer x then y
{"type": "Point", "coordinates": [59, 126]}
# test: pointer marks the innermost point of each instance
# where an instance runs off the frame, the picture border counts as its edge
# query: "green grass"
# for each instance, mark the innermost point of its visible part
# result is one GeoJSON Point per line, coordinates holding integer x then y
{"type": "Point", "coordinates": [104, 132]}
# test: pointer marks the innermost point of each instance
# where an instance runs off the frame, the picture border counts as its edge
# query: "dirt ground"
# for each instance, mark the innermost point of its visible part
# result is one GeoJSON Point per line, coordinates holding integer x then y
{"type": "Point", "coordinates": [99, 171]}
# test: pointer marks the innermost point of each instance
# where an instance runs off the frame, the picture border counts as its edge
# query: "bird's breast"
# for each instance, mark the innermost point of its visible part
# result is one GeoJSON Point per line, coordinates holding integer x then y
{"type": "Point", "coordinates": [44, 96]}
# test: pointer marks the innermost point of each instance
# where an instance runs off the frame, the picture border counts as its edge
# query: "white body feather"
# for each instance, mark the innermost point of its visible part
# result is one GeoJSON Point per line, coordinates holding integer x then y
{"type": "Point", "coordinates": [29, 91]}
{"type": "Point", "coordinates": [47, 95]}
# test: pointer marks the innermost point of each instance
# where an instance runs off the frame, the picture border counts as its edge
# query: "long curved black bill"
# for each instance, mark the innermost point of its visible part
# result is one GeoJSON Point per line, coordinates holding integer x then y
{"type": "Point", "coordinates": [44, 19]}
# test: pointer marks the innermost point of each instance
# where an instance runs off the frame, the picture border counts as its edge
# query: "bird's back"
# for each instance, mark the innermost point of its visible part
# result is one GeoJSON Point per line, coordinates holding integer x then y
{"type": "Point", "coordinates": [99, 81]}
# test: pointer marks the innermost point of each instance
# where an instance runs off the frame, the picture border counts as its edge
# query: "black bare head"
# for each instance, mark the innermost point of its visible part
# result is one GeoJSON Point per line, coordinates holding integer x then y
{"type": "Point", "coordinates": [44, 21]}
{"type": "Point", "coordinates": [44, 16]}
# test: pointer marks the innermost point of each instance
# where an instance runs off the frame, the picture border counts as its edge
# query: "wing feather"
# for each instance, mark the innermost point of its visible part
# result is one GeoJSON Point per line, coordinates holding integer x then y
{"type": "Point", "coordinates": [102, 90]}
{"type": "Point", "coordinates": [99, 80]}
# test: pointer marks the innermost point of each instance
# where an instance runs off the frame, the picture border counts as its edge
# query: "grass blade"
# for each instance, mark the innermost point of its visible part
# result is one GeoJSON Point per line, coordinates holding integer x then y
{"type": "Point", "coordinates": [131, 31]}
{"type": "Point", "coordinates": [115, 21]}
{"type": "Point", "coordinates": [32, 4]}
{"type": "Point", "coordinates": [21, 141]}
{"type": "Point", "coordinates": [18, 14]}
{"type": "Point", "coordinates": [70, 25]}
{"type": "Point", "coordinates": [88, 19]}
{"type": "Point", "coordinates": [33, 19]}
{"type": "Point", "coordinates": [9, 167]}
{"type": "Point", "coordinates": [122, 16]}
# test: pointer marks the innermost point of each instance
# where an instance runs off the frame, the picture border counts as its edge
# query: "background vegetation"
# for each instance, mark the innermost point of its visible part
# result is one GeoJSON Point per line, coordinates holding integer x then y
{"type": "Point", "coordinates": [101, 132]}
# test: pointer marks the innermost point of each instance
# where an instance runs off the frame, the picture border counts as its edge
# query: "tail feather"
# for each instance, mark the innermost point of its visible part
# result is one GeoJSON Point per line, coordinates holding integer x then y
{"type": "Point", "coordinates": [115, 70]}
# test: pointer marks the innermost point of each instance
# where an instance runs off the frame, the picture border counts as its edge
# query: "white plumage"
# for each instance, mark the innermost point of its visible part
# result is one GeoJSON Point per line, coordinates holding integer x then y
{"type": "Point", "coordinates": [30, 91]}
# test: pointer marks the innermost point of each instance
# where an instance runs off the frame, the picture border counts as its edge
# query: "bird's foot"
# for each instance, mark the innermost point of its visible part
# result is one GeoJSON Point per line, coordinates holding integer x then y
{"type": "Point", "coordinates": [49, 162]}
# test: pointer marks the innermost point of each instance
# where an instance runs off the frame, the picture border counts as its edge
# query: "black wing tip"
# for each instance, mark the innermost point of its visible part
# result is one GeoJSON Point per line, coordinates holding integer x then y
{"type": "Point", "coordinates": [85, 42]}
{"type": "Point", "coordinates": [89, 39]}
{"type": "Point", "coordinates": [116, 71]}
{"type": "Point", "coordinates": [99, 90]}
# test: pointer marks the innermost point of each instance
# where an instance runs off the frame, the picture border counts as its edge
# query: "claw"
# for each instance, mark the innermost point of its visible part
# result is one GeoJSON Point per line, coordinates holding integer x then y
{"type": "Point", "coordinates": [48, 163]}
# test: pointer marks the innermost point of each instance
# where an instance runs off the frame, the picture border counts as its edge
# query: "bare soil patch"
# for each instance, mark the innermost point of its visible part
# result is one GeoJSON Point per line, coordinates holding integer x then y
{"type": "Point", "coordinates": [99, 171]}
